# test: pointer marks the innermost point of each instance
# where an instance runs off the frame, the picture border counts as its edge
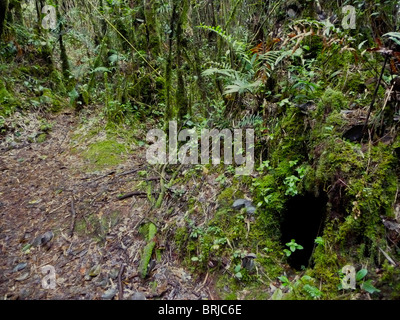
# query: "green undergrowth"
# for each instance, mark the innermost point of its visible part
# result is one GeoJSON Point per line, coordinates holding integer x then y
{"type": "Point", "coordinates": [103, 145]}
{"type": "Point", "coordinates": [360, 183]}
{"type": "Point", "coordinates": [97, 226]}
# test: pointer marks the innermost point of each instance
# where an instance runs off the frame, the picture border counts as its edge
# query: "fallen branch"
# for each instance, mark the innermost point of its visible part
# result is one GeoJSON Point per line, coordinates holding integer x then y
{"type": "Point", "coordinates": [73, 213]}
{"type": "Point", "coordinates": [121, 290]}
{"type": "Point", "coordinates": [140, 194]}
{"type": "Point", "coordinates": [164, 187]}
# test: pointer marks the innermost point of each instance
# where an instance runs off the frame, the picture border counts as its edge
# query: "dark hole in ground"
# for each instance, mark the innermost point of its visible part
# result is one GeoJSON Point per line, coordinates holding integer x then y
{"type": "Point", "coordinates": [303, 221]}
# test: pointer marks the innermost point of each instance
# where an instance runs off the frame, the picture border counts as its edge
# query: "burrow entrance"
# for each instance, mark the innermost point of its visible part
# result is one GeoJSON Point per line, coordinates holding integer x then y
{"type": "Point", "coordinates": [303, 221]}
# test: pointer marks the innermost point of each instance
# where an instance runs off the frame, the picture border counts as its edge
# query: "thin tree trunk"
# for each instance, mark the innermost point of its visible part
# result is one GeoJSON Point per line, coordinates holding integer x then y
{"type": "Point", "coordinates": [153, 40]}
{"type": "Point", "coordinates": [63, 51]}
{"type": "Point", "coordinates": [3, 13]}
{"type": "Point", "coordinates": [181, 98]}
{"type": "Point", "coordinates": [169, 112]}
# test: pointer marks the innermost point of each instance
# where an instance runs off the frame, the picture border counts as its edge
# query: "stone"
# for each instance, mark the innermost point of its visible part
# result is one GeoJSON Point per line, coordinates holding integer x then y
{"type": "Point", "coordinates": [138, 296]}
{"type": "Point", "coordinates": [109, 294]}
{"type": "Point", "coordinates": [20, 266]}
{"type": "Point", "coordinates": [241, 203]}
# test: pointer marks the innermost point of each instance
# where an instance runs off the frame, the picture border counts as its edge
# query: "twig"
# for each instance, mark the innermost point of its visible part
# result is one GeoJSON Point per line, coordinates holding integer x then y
{"type": "Point", "coordinates": [133, 194]}
{"type": "Point", "coordinates": [391, 261]}
{"type": "Point", "coordinates": [121, 291]}
{"type": "Point", "coordinates": [54, 210]}
{"type": "Point", "coordinates": [127, 172]}
{"type": "Point", "coordinates": [73, 212]}
{"type": "Point", "coordinates": [375, 94]}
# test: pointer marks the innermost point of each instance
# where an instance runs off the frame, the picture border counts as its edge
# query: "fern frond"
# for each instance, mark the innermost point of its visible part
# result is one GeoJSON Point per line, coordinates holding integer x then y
{"type": "Point", "coordinates": [242, 86]}
{"type": "Point", "coordinates": [238, 47]}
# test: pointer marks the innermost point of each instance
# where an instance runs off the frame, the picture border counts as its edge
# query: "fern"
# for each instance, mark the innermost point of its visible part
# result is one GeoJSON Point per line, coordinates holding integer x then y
{"type": "Point", "coordinates": [394, 36]}
{"type": "Point", "coordinates": [237, 46]}
{"type": "Point", "coordinates": [241, 86]}
{"type": "Point", "coordinates": [312, 291]}
{"type": "Point", "coordinates": [244, 81]}
{"type": "Point", "coordinates": [250, 121]}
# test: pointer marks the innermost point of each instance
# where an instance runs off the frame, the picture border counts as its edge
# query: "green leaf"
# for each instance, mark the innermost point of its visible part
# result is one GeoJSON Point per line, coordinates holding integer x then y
{"type": "Point", "coordinates": [367, 286]}
{"type": "Point", "coordinates": [194, 259]}
{"type": "Point", "coordinates": [238, 275]}
{"type": "Point", "coordinates": [287, 252]}
{"type": "Point", "coordinates": [100, 69]}
{"type": "Point", "coordinates": [237, 268]}
{"type": "Point", "coordinates": [361, 274]}
{"type": "Point", "coordinates": [319, 240]}
{"type": "Point", "coordinates": [285, 281]}
{"type": "Point", "coordinates": [392, 34]}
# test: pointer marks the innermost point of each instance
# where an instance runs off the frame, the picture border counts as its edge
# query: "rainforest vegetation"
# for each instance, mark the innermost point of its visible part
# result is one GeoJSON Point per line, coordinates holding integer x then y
{"type": "Point", "coordinates": [315, 83]}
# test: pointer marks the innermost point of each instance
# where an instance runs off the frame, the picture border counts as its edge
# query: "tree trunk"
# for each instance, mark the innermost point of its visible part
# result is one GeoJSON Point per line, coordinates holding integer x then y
{"type": "Point", "coordinates": [169, 112]}
{"type": "Point", "coordinates": [3, 13]}
{"type": "Point", "coordinates": [63, 51]}
{"type": "Point", "coordinates": [153, 39]}
{"type": "Point", "coordinates": [181, 98]}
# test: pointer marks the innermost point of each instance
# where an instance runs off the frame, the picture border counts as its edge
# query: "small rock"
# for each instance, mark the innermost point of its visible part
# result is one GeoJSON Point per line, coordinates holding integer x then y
{"type": "Point", "coordinates": [248, 261]}
{"type": "Point", "coordinates": [251, 210]}
{"type": "Point", "coordinates": [20, 267]}
{"type": "Point", "coordinates": [102, 282]}
{"type": "Point", "coordinates": [114, 273]}
{"type": "Point", "coordinates": [23, 277]}
{"type": "Point", "coordinates": [95, 271]}
{"type": "Point", "coordinates": [241, 203]}
{"type": "Point", "coordinates": [138, 296]}
{"type": "Point", "coordinates": [47, 237]}
{"type": "Point", "coordinates": [109, 294]}
{"type": "Point", "coordinates": [43, 239]}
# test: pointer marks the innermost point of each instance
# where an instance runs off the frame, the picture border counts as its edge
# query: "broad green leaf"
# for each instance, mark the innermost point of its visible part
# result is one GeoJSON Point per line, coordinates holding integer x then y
{"type": "Point", "coordinates": [361, 274]}
{"type": "Point", "coordinates": [367, 286]}
{"type": "Point", "coordinates": [285, 280]}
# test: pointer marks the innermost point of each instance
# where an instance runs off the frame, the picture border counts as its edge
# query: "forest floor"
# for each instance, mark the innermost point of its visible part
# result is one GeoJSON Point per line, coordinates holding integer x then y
{"type": "Point", "coordinates": [95, 245]}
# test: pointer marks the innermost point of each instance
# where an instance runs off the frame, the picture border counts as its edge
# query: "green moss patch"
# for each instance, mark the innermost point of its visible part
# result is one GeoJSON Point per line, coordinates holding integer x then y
{"type": "Point", "coordinates": [104, 154]}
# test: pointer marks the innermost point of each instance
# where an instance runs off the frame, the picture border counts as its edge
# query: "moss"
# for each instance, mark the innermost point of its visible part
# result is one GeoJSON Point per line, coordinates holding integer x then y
{"type": "Point", "coordinates": [7, 101]}
{"type": "Point", "coordinates": [390, 280]}
{"type": "Point", "coordinates": [332, 100]}
{"type": "Point", "coordinates": [228, 195]}
{"type": "Point", "coordinates": [104, 154]}
{"type": "Point", "coordinates": [41, 138]}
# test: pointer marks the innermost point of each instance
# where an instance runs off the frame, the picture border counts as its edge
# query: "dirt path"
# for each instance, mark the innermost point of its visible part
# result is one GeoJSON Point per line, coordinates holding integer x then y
{"type": "Point", "coordinates": [38, 184]}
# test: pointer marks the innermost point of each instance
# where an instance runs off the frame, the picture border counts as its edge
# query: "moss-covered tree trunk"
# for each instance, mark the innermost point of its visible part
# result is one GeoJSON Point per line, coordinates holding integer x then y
{"type": "Point", "coordinates": [169, 112]}
{"type": "Point", "coordinates": [153, 39]}
{"type": "Point", "coordinates": [46, 52]}
{"type": "Point", "coordinates": [3, 13]}
{"type": "Point", "coordinates": [63, 51]}
{"type": "Point", "coordinates": [181, 97]}
{"type": "Point", "coordinates": [18, 12]}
